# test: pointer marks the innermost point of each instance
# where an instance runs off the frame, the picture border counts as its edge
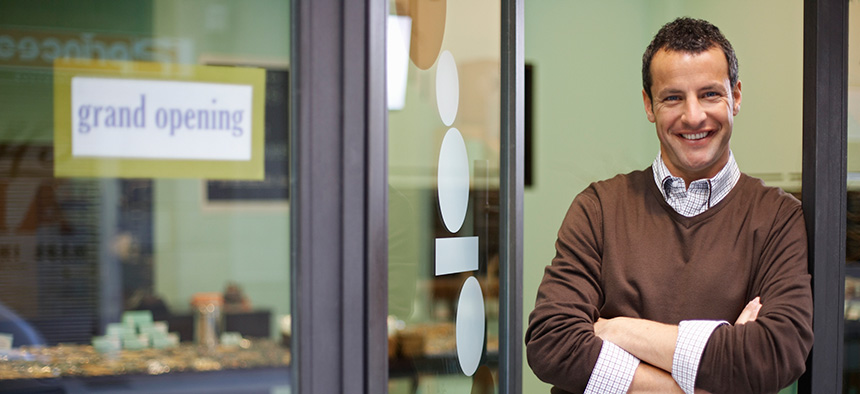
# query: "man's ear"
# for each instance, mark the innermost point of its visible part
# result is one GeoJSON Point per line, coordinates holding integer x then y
{"type": "Point", "coordinates": [649, 109]}
{"type": "Point", "coordinates": [736, 96]}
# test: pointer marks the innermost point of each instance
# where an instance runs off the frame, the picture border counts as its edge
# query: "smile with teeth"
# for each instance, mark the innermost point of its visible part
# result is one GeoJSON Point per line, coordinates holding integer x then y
{"type": "Point", "coordinates": [696, 136]}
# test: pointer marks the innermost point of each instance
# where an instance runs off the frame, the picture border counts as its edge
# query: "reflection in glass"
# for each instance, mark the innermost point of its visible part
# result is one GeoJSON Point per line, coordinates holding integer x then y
{"type": "Point", "coordinates": [114, 280]}
{"type": "Point", "coordinates": [851, 377]}
{"type": "Point", "coordinates": [444, 198]}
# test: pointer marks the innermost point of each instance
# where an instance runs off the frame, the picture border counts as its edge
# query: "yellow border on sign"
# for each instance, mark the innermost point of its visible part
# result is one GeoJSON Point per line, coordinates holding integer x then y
{"type": "Point", "coordinates": [65, 165]}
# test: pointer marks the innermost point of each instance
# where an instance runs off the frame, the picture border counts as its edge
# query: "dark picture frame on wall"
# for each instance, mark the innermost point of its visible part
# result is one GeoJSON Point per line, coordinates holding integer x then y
{"type": "Point", "coordinates": [528, 129]}
{"type": "Point", "coordinates": [275, 187]}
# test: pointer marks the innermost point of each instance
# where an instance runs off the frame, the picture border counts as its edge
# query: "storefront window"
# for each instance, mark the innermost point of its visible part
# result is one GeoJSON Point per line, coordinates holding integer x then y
{"type": "Point", "coordinates": [851, 381]}
{"type": "Point", "coordinates": [444, 155]}
{"type": "Point", "coordinates": [144, 207]}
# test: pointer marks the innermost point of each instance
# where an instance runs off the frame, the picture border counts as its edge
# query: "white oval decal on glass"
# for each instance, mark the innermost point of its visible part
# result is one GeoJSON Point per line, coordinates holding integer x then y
{"type": "Point", "coordinates": [470, 326]}
{"type": "Point", "coordinates": [447, 88]}
{"type": "Point", "coordinates": [453, 180]}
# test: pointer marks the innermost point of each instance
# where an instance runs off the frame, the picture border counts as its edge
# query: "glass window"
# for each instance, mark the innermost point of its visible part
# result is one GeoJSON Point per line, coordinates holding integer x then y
{"type": "Point", "coordinates": [144, 207]}
{"type": "Point", "coordinates": [444, 137]}
{"type": "Point", "coordinates": [851, 377]}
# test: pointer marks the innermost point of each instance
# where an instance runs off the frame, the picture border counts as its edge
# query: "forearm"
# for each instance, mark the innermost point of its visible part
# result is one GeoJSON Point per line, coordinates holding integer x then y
{"type": "Point", "coordinates": [764, 356]}
{"type": "Point", "coordinates": [650, 341]}
{"type": "Point", "coordinates": [650, 379]}
{"type": "Point", "coordinates": [675, 350]}
{"type": "Point", "coordinates": [560, 345]}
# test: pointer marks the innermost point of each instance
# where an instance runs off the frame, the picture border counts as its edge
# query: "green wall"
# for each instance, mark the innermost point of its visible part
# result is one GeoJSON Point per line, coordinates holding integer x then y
{"type": "Point", "coordinates": [26, 79]}
{"type": "Point", "coordinates": [199, 246]}
{"type": "Point", "coordinates": [589, 121]}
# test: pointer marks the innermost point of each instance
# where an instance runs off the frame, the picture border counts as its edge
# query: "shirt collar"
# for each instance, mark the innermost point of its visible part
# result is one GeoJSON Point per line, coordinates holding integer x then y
{"type": "Point", "coordinates": [719, 185]}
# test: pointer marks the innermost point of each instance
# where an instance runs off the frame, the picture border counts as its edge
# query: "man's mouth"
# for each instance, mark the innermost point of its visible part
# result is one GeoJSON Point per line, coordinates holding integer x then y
{"type": "Point", "coordinates": [696, 136]}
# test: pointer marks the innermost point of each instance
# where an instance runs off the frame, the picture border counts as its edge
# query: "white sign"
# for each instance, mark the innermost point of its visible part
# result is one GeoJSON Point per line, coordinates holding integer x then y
{"type": "Point", "coordinates": [153, 119]}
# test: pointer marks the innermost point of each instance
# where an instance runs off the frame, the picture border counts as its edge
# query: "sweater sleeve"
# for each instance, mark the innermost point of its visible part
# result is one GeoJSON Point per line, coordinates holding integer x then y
{"type": "Point", "coordinates": [560, 343]}
{"type": "Point", "coordinates": [769, 353]}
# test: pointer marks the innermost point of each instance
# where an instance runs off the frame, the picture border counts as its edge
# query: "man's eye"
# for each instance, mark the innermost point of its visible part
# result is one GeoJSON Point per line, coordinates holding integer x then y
{"type": "Point", "coordinates": [712, 94]}
{"type": "Point", "coordinates": [672, 98]}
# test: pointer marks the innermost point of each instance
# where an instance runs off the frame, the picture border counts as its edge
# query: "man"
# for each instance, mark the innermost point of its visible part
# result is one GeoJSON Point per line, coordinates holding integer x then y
{"type": "Point", "coordinates": [651, 266]}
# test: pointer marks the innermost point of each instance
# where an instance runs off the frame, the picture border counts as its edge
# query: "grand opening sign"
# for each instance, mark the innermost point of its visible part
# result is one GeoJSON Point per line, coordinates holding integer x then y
{"type": "Point", "coordinates": [160, 119]}
{"type": "Point", "coordinates": [192, 121]}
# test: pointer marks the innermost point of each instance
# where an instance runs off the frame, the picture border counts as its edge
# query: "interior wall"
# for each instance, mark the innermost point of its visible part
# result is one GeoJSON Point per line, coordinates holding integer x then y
{"type": "Point", "coordinates": [589, 122]}
{"type": "Point", "coordinates": [200, 247]}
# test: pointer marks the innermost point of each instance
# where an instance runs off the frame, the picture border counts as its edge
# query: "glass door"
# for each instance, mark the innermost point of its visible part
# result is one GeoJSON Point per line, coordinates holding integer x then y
{"type": "Point", "coordinates": [444, 161]}
{"type": "Point", "coordinates": [851, 376]}
{"type": "Point", "coordinates": [144, 205]}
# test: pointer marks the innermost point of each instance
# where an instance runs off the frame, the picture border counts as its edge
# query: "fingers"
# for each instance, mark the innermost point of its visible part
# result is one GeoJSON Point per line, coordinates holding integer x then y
{"type": "Point", "coordinates": [750, 312]}
{"type": "Point", "coordinates": [599, 327]}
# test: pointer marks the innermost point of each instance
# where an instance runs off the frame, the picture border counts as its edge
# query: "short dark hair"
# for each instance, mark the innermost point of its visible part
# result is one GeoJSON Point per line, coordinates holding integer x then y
{"type": "Point", "coordinates": [691, 36]}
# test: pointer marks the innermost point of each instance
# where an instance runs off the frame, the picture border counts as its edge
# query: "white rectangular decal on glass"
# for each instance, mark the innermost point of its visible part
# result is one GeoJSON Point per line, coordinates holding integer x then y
{"type": "Point", "coordinates": [456, 254]}
{"type": "Point", "coordinates": [399, 31]}
{"type": "Point", "coordinates": [152, 119]}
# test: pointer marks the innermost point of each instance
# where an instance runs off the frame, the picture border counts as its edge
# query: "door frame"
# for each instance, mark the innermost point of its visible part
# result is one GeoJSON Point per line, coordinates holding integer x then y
{"type": "Point", "coordinates": [825, 133]}
{"type": "Point", "coordinates": [339, 213]}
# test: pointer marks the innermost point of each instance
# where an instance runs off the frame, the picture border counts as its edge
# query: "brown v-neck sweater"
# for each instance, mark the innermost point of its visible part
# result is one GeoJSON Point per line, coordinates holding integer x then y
{"type": "Point", "coordinates": [623, 251]}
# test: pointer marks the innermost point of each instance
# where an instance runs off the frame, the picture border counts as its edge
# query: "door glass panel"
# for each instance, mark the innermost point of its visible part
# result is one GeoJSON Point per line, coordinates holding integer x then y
{"type": "Point", "coordinates": [851, 376]}
{"type": "Point", "coordinates": [444, 147]}
{"type": "Point", "coordinates": [144, 221]}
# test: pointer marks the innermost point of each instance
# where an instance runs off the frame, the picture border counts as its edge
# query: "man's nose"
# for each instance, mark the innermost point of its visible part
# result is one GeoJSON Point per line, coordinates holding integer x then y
{"type": "Point", "coordinates": [694, 113]}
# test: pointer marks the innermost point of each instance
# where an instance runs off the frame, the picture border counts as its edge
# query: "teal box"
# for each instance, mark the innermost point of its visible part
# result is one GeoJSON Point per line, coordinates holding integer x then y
{"type": "Point", "coordinates": [119, 330]}
{"type": "Point", "coordinates": [166, 341]}
{"type": "Point", "coordinates": [6, 341]}
{"type": "Point", "coordinates": [231, 338]}
{"type": "Point", "coordinates": [106, 344]}
{"type": "Point", "coordinates": [154, 329]}
{"type": "Point", "coordinates": [135, 343]}
{"type": "Point", "coordinates": [137, 318]}
{"type": "Point", "coordinates": [160, 326]}
{"type": "Point", "coordinates": [127, 336]}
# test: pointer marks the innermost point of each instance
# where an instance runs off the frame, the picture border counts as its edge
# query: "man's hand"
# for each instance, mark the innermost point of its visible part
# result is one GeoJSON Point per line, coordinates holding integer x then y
{"type": "Point", "coordinates": [750, 312]}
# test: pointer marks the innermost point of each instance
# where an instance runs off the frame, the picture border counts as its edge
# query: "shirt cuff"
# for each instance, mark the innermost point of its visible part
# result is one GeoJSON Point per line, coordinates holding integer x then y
{"type": "Point", "coordinates": [693, 335]}
{"type": "Point", "coordinates": [613, 371]}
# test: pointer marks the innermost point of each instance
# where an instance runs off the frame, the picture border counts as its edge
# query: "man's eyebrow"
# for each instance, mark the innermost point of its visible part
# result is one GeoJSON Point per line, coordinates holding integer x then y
{"type": "Point", "coordinates": [668, 91]}
{"type": "Point", "coordinates": [714, 86]}
{"type": "Point", "coordinates": [671, 91]}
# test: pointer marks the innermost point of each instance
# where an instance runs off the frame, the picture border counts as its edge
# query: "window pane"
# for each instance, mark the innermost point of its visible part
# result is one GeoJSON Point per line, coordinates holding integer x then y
{"type": "Point", "coordinates": [851, 381]}
{"type": "Point", "coordinates": [444, 114]}
{"type": "Point", "coordinates": [144, 221]}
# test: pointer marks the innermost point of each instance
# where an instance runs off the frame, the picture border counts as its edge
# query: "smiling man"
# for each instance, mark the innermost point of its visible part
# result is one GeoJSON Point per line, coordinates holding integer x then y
{"type": "Point", "coordinates": [652, 266]}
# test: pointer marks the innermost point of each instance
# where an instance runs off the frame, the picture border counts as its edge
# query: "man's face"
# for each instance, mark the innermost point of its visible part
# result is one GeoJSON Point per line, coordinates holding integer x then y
{"type": "Point", "coordinates": [693, 108]}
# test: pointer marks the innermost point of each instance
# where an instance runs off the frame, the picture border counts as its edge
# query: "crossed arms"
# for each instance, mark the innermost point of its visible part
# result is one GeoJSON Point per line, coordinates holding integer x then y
{"type": "Point", "coordinates": [565, 336]}
{"type": "Point", "coordinates": [654, 344]}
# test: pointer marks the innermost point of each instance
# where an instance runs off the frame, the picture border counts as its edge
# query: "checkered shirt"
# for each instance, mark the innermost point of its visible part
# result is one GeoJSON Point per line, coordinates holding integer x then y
{"type": "Point", "coordinates": [702, 193]}
{"type": "Point", "coordinates": [613, 372]}
{"type": "Point", "coordinates": [693, 335]}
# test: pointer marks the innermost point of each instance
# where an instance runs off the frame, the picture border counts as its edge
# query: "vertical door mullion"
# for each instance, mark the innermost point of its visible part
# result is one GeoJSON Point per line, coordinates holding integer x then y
{"type": "Point", "coordinates": [377, 199]}
{"type": "Point", "coordinates": [511, 245]}
{"type": "Point", "coordinates": [338, 209]}
{"type": "Point", "coordinates": [825, 81]}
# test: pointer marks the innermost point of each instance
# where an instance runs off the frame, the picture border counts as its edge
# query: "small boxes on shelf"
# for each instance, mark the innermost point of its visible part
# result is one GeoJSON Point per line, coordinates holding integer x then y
{"type": "Point", "coordinates": [137, 331]}
{"type": "Point", "coordinates": [5, 341]}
